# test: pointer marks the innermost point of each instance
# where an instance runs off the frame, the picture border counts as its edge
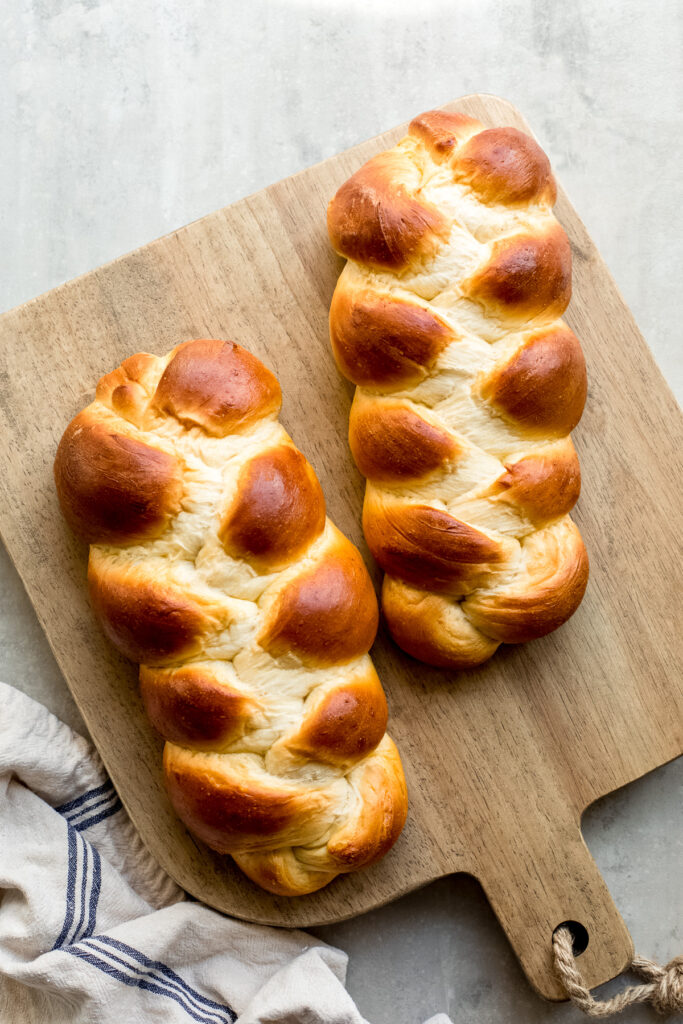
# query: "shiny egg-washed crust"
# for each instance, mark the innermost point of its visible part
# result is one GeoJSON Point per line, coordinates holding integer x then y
{"type": "Point", "coordinates": [212, 563]}
{"type": "Point", "coordinates": [447, 318]}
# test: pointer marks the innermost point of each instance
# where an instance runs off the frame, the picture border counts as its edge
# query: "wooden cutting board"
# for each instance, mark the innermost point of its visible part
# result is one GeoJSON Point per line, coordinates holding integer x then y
{"type": "Point", "coordinates": [501, 761]}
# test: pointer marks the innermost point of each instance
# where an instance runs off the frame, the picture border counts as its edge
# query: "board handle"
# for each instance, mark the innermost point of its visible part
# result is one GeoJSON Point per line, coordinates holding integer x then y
{"type": "Point", "coordinates": [547, 879]}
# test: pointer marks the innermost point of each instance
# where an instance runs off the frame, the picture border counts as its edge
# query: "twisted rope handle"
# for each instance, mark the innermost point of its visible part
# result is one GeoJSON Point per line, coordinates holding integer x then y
{"type": "Point", "coordinates": [663, 990]}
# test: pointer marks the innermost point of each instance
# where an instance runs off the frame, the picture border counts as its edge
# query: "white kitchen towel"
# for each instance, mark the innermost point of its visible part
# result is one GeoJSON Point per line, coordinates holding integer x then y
{"type": "Point", "coordinates": [92, 931]}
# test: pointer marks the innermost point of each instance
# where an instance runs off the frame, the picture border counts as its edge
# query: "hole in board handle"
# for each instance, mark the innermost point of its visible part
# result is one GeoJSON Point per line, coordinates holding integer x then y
{"type": "Point", "coordinates": [579, 936]}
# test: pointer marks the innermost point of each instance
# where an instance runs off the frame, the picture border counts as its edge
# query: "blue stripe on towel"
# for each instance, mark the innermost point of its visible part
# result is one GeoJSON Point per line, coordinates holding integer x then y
{"type": "Point", "coordinates": [80, 907]}
{"type": "Point", "coordinates": [94, 892]}
{"type": "Point", "coordinates": [91, 807]}
{"type": "Point", "coordinates": [83, 890]}
{"type": "Point", "coordinates": [148, 981]}
{"type": "Point", "coordinates": [97, 950]}
{"type": "Point", "coordinates": [99, 816]}
{"type": "Point", "coordinates": [70, 889]}
{"type": "Point", "coordinates": [168, 972]}
{"type": "Point", "coordinates": [88, 795]}
{"type": "Point", "coordinates": [82, 812]}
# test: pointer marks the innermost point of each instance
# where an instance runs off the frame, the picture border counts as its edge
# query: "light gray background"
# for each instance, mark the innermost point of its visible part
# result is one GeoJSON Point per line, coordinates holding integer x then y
{"type": "Point", "coordinates": [122, 120]}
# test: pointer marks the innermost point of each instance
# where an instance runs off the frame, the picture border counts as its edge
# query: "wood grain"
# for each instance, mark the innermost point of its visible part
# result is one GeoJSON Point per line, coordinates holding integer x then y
{"type": "Point", "coordinates": [501, 761]}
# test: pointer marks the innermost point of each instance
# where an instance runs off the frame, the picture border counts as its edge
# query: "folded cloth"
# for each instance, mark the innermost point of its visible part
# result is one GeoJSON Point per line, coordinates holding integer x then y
{"type": "Point", "coordinates": [92, 930]}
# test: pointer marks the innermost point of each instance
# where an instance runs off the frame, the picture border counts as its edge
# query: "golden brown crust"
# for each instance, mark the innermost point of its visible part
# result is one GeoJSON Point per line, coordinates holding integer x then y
{"type": "Point", "coordinates": [468, 386]}
{"type": "Point", "coordinates": [384, 342]}
{"type": "Point", "coordinates": [427, 547]}
{"type": "Point", "coordinates": [443, 132]}
{"type": "Point", "coordinates": [213, 564]}
{"type": "Point", "coordinates": [278, 512]}
{"type": "Point", "coordinates": [231, 811]}
{"type": "Point", "coordinates": [375, 216]}
{"type": "Point", "coordinates": [544, 596]}
{"type": "Point", "coordinates": [127, 389]}
{"type": "Point", "coordinates": [112, 488]}
{"type": "Point", "coordinates": [390, 442]}
{"type": "Point", "coordinates": [503, 165]}
{"type": "Point", "coordinates": [282, 873]}
{"type": "Point", "coordinates": [433, 627]}
{"type": "Point", "coordinates": [362, 838]}
{"type": "Point", "coordinates": [216, 386]}
{"type": "Point", "coordinates": [148, 619]}
{"type": "Point", "coordinates": [328, 615]}
{"type": "Point", "coordinates": [544, 485]}
{"type": "Point", "coordinates": [194, 707]}
{"type": "Point", "coordinates": [526, 276]}
{"type": "Point", "coordinates": [379, 818]}
{"type": "Point", "coordinates": [543, 385]}
{"type": "Point", "coordinates": [345, 724]}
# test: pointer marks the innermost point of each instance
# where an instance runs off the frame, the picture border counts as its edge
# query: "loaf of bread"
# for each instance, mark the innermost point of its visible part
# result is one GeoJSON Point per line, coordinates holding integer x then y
{"type": "Point", "coordinates": [447, 318]}
{"type": "Point", "coordinates": [212, 563]}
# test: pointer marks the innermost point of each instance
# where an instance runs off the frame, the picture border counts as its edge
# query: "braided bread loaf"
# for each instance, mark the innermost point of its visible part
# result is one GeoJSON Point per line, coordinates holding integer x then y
{"type": "Point", "coordinates": [446, 317]}
{"type": "Point", "coordinates": [213, 564]}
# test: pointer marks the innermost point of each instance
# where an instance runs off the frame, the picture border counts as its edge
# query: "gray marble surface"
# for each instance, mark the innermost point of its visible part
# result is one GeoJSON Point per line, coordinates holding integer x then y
{"type": "Point", "coordinates": [121, 121]}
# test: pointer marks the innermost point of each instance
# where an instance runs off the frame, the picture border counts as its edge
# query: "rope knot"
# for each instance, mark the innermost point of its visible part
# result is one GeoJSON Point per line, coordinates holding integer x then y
{"type": "Point", "coordinates": [664, 988]}
{"type": "Point", "coordinates": [667, 983]}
